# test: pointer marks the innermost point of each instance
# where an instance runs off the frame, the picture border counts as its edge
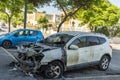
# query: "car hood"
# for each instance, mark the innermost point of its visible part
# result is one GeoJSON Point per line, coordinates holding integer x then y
{"type": "Point", "coordinates": [4, 34]}
{"type": "Point", "coordinates": [38, 47]}
{"type": "Point", "coordinates": [43, 47]}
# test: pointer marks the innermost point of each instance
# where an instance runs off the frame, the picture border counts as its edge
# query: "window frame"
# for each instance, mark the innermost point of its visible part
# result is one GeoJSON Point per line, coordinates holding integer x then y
{"type": "Point", "coordinates": [94, 44]}
{"type": "Point", "coordinates": [100, 40]}
{"type": "Point", "coordinates": [33, 32]}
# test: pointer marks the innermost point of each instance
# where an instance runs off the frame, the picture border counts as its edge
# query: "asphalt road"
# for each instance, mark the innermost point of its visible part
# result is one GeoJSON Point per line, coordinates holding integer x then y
{"type": "Point", "coordinates": [89, 73]}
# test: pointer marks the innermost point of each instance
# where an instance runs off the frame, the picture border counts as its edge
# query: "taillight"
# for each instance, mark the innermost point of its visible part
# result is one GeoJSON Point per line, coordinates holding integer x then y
{"type": "Point", "coordinates": [110, 46]}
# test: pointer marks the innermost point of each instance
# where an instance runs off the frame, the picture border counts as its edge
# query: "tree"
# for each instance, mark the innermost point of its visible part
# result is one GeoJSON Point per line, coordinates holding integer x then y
{"type": "Point", "coordinates": [70, 7]}
{"type": "Point", "coordinates": [11, 8]}
{"type": "Point", "coordinates": [35, 3]}
{"type": "Point", "coordinates": [3, 17]}
{"type": "Point", "coordinates": [104, 14]}
{"type": "Point", "coordinates": [39, 2]}
{"type": "Point", "coordinates": [43, 22]}
{"type": "Point", "coordinates": [17, 20]}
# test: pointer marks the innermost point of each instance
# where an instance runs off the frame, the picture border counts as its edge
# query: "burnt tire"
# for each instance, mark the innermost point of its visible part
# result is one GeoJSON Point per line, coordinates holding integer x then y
{"type": "Point", "coordinates": [104, 63]}
{"type": "Point", "coordinates": [6, 44]}
{"type": "Point", "coordinates": [54, 70]}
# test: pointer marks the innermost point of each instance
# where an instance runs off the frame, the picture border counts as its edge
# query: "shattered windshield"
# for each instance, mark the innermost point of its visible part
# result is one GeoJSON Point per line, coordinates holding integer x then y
{"type": "Point", "coordinates": [58, 40]}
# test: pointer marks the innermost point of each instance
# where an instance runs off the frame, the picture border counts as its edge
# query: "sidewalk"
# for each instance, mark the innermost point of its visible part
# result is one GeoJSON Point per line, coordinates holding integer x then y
{"type": "Point", "coordinates": [115, 46]}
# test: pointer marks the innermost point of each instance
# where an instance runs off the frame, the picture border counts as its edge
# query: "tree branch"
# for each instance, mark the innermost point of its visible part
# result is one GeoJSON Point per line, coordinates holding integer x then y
{"type": "Point", "coordinates": [61, 7]}
{"type": "Point", "coordinates": [73, 12]}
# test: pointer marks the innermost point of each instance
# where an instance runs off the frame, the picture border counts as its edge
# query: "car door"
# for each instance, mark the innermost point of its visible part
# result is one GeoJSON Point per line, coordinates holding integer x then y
{"type": "Point", "coordinates": [80, 54]}
{"type": "Point", "coordinates": [33, 36]}
{"type": "Point", "coordinates": [20, 37]}
{"type": "Point", "coordinates": [93, 42]}
{"type": "Point", "coordinates": [99, 49]}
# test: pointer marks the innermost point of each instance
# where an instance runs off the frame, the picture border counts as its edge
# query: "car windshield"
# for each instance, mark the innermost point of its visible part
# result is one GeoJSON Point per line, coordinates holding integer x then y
{"type": "Point", "coordinates": [58, 40]}
{"type": "Point", "coordinates": [13, 32]}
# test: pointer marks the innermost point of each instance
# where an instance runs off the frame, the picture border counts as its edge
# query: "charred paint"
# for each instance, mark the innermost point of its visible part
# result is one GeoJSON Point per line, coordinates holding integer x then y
{"type": "Point", "coordinates": [73, 59]}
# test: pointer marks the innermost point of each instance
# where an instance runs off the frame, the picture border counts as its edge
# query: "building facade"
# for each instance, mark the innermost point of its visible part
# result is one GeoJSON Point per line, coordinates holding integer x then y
{"type": "Point", "coordinates": [53, 19]}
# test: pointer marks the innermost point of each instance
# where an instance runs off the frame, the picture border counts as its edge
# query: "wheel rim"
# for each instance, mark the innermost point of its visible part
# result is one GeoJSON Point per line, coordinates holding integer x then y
{"type": "Point", "coordinates": [105, 63]}
{"type": "Point", "coordinates": [53, 71]}
{"type": "Point", "coordinates": [6, 44]}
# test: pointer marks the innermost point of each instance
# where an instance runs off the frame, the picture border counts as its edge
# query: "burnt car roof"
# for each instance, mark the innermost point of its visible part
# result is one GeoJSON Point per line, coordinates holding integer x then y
{"type": "Point", "coordinates": [75, 33]}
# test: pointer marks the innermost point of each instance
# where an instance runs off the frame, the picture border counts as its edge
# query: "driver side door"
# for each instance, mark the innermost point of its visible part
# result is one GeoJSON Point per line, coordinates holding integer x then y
{"type": "Point", "coordinates": [79, 55]}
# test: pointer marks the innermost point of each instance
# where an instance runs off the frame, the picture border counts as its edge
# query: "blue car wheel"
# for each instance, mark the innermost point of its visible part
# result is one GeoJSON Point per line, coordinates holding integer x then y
{"type": "Point", "coordinates": [6, 44]}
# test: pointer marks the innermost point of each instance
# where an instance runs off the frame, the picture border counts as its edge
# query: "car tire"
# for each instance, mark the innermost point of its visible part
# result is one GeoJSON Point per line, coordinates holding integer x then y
{"type": "Point", "coordinates": [54, 70]}
{"type": "Point", "coordinates": [104, 63]}
{"type": "Point", "coordinates": [6, 44]}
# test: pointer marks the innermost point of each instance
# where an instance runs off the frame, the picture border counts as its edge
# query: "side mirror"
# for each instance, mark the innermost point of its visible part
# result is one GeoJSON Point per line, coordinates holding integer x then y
{"type": "Point", "coordinates": [74, 47]}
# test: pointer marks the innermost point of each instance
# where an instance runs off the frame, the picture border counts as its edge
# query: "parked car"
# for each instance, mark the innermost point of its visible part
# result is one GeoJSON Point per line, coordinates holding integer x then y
{"type": "Point", "coordinates": [64, 51]}
{"type": "Point", "coordinates": [18, 36]}
{"type": "Point", "coordinates": [3, 27]}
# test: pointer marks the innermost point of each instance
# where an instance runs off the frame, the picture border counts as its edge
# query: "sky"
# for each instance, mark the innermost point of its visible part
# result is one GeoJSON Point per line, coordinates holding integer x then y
{"type": "Point", "coordinates": [52, 10]}
{"type": "Point", "coordinates": [115, 2]}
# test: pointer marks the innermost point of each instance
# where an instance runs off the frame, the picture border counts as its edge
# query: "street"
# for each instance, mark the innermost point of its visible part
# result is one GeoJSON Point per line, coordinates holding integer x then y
{"type": "Point", "coordinates": [89, 73]}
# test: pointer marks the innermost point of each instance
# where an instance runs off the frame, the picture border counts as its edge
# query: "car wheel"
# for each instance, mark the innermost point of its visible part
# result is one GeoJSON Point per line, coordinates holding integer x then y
{"type": "Point", "coordinates": [104, 63]}
{"type": "Point", "coordinates": [6, 44]}
{"type": "Point", "coordinates": [54, 70]}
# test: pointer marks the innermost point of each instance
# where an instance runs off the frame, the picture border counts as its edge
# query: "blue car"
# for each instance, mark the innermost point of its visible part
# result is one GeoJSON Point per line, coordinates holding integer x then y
{"type": "Point", "coordinates": [18, 36]}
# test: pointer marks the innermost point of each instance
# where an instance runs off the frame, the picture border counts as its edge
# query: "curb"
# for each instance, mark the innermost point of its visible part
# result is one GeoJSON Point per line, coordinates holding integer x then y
{"type": "Point", "coordinates": [108, 77]}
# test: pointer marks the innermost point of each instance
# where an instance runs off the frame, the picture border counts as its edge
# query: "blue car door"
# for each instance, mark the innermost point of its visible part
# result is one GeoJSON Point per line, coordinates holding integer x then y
{"type": "Point", "coordinates": [20, 37]}
{"type": "Point", "coordinates": [33, 36]}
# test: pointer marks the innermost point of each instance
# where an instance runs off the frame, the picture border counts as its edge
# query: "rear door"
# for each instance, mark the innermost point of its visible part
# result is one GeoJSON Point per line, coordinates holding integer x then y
{"type": "Point", "coordinates": [84, 51]}
{"type": "Point", "coordinates": [33, 36]}
{"type": "Point", "coordinates": [102, 48]}
{"type": "Point", "coordinates": [93, 43]}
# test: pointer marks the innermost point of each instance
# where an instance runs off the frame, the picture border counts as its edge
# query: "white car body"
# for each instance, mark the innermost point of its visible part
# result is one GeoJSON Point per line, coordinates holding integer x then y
{"type": "Point", "coordinates": [87, 54]}
{"type": "Point", "coordinates": [72, 49]}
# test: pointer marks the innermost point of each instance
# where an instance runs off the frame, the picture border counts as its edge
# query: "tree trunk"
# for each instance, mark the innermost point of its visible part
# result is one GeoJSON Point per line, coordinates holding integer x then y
{"type": "Point", "coordinates": [65, 18]}
{"type": "Point", "coordinates": [91, 27]}
{"type": "Point", "coordinates": [70, 14]}
{"type": "Point", "coordinates": [9, 21]}
{"type": "Point", "coordinates": [25, 14]}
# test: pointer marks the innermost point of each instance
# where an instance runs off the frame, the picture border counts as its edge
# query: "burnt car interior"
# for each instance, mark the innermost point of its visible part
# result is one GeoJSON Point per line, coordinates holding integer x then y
{"type": "Point", "coordinates": [58, 40]}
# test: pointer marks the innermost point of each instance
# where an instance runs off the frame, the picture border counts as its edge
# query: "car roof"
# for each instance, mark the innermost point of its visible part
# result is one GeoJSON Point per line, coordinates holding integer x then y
{"type": "Point", "coordinates": [76, 33]}
{"type": "Point", "coordinates": [29, 29]}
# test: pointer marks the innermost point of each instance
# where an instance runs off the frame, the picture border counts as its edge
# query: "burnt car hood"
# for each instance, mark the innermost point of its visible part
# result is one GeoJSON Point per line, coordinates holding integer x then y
{"type": "Point", "coordinates": [42, 47]}
{"type": "Point", "coordinates": [38, 47]}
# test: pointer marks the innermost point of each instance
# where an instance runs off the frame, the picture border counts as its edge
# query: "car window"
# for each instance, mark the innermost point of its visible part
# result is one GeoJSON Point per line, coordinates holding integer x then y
{"type": "Point", "coordinates": [33, 33]}
{"type": "Point", "coordinates": [76, 42]}
{"type": "Point", "coordinates": [82, 41]}
{"type": "Point", "coordinates": [102, 40]}
{"type": "Point", "coordinates": [22, 33]}
{"type": "Point", "coordinates": [92, 40]}
{"type": "Point", "coordinates": [57, 39]}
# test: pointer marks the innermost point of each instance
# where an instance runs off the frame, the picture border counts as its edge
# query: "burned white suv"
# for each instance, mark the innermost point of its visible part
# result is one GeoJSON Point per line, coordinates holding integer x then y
{"type": "Point", "coordinates": [64, 51]}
